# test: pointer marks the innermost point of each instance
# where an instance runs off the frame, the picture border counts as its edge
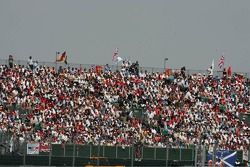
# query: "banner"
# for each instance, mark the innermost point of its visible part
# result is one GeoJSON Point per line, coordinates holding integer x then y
{"type": "Point", "coordinates": [227, 158]}
{"type": "Point", "coordinates": [44, 147]}
{"type": "Point", "coordinates": [33, 148]}
{"type": "Point", "coordinates": [245, 155]}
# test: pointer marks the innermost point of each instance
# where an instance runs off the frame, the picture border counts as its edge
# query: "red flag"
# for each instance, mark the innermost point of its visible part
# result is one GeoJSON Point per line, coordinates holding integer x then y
{"type": "Point", "coordinates": [62, 58]}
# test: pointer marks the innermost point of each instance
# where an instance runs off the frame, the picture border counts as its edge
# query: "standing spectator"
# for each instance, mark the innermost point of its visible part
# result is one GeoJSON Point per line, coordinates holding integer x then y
{"type": "Point", "coordinates": [138, 149]}
{"type": "Point", "coordinates": [183, 70]}
{"type": "Point", "coordinates": [30, 63]}
{"type": "Point", "coordinates": [11, 60]}
{"type": "Point", "coordinates": [35, 65]}
{"type": "Point", "coordinates": [210, 71]}
{"type": "Point", "coordinates": [229, 71]}
{"type": "Point", "coordinates": [137, 68]}
{"type": "Point", "coordinates": [107, 68]}
{"type": "Point", "coordinates": [224, 72]}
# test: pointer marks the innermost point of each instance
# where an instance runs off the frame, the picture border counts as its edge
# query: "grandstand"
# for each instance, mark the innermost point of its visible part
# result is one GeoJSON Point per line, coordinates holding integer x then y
{"type": "Point", "coordinates": [122, 108]}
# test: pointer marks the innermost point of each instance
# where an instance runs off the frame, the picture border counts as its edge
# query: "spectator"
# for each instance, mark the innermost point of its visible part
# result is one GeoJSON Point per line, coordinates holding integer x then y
{"type": "Point", "coordinates": [210, 71]}
{"type": "Point", "coordinates": [137, 68]}
{"type": "Point", "coordinates": [11, 61]}
{"type": "Point", "coordinates": [31, 63]}
{"type": "Point", "coordinates": [35, 64]}
{"type": "Point", "coordinates": [183, 71]}
{"type": "Point", "coordinates": [107, 69]}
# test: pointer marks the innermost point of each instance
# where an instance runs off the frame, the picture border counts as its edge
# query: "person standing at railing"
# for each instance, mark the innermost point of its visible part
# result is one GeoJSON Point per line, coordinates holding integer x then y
{"type": "Point", "coordinates": [137, 68]}
{"type": "Point", "coordinates": [11, 60]}
{"type": "Point", "coordinates": [138, 150]}
{"type": "Point", "coordinates": [210, 71]}
{"type": "Point", "coordinates": [107, 69]}
{"type": "Point", "coordinates": [30, 63]}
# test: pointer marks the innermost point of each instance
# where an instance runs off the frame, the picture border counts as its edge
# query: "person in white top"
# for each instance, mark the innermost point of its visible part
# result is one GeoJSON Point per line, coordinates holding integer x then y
{"type": "Point", "coordinates": [210, 71]}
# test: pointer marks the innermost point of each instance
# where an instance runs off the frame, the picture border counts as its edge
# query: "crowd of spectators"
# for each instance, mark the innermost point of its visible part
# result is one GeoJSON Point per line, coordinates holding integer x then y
{"type": "Point", "coordinates": [98, 106]}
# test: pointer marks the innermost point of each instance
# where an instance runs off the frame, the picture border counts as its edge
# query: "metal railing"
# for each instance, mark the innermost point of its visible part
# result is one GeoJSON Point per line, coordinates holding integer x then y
{"type": "Point", "coordinates": [79, 155]}
{"type": "Point", "coordinates": [71, 154]}
{"type": "Point", "coordinates": [5, 138]}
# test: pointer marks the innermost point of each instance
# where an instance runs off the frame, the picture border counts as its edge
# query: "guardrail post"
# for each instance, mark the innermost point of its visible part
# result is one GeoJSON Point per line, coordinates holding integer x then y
{"type": "Point", "coordinates": [129, 152]}
{"type": "Point", "coordinates": [195, 156]}
{"type": "Point", "coordinates": [155, 153]}
{"type": "Point", "coordinates": [90, 150]}
{"type": "Point", "coordinates": [24, 154]}
{"type": "Point", "coordinates": [142, 152]}
{"type": "Point", "coordinates": [167, 149]}
{"type": "Point", "coordinates": [77, 150]}
{"type": "Point", "coordinates": [103, 151]}
{"type": "Point", "coordinates": [193, 152]}
{"type": "Point", "coordinates": [214, 152]}
{"type": "Point", "coordinates": [180, 154]}
{"type": "Point", "coordinates": [203, 155]}
{"type": "Point", "coordinates": [64, 151]}
{"type": "Point", "coordinates": [74, 150]}
{"type": "Point", "coordinates": [50, 153]}
{"type": "Point", "coordinates": [249, 154]}
{"type": "Point", "coordinates": [132, 155]}
{"type": "Point", "coordinates": [116, 152]}
{"type": "Point", "coordinates": [98, 154]}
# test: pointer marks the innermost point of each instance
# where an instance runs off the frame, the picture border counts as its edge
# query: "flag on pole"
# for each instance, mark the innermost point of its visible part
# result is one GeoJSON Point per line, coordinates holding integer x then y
{"type": "Point", "coordinates": [116, 58]}
{"type": "Point", "coordinates": [211, 69]}
{"type": "Point", "coordinates": [228, 158]}
{"type": "Point", "coordinates": [62, 58]}
{"type": "Point", "coordinates": [115, 55]}
{"type": "Point", "coordinates": [221, 61]}
{"type": "Point", "coordinates": [212, 66]}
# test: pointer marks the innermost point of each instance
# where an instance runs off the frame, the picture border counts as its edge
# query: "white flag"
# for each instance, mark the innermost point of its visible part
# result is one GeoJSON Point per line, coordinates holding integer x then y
{"type": "Point", "coordinates": [212, 66]}
{"type": "Point", "coordinates": [116, 58]}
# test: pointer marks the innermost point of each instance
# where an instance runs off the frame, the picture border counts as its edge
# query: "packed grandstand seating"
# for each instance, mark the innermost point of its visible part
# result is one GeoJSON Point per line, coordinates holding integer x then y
{"type": "Point", "coordinates": [75, 105]}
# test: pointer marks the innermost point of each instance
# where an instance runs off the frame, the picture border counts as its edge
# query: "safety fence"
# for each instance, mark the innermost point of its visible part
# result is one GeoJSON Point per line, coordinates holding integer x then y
{"type": "Point", "coordinates": [78, 155]}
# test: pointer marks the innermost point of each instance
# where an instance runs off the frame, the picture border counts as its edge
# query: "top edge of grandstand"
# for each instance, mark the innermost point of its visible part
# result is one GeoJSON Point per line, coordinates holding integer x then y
{"type": "Point", "coordinates": [115, 67]}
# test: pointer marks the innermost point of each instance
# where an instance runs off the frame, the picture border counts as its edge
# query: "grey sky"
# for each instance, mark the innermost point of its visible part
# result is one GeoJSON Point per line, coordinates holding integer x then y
{"type": "Point", "coordinates": [189, 32]}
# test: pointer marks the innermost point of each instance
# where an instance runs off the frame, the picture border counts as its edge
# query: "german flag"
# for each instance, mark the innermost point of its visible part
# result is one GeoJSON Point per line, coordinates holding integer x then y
{"type": "Point", "coordinates": [62, 58]}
